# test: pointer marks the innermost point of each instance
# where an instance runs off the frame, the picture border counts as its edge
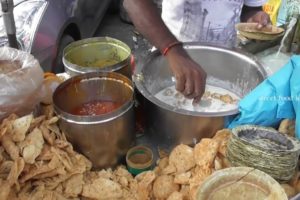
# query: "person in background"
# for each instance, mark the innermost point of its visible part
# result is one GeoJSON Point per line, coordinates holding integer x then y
{"type": "Point", "coordinates": [207, 21]}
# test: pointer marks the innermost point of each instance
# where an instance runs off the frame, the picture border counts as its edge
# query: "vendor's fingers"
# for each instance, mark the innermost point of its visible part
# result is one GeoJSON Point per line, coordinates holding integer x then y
{"type": "Point", "coordinates": [199, 89]}
{"type": "Point", "coordinates": [262, 24]}
{"type": "Point", "coordinates": [180, 83]}
{"type": "Point", "coordinates": [189, 88]}
{"type": "Point", "coordinates": [269, 27]}
{"type": "Point", "coordinates": [263, 20]}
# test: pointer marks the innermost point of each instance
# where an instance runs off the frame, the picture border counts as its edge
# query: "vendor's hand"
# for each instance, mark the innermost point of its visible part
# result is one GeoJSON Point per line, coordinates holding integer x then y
{"type": "Point", "coordinates": [261, 18]}
{"type": "Point", "coordinates": [190, 77]}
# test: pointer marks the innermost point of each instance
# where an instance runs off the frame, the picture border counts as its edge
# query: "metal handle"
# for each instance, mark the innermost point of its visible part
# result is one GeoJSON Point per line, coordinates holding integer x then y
{"type": "Point", "coordinates": [9, 22]}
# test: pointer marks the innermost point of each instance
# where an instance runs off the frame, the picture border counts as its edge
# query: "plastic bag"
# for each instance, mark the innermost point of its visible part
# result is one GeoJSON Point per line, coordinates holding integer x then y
{"type": "Point", "coordinates": [275, 99]}
{"type": "Point", "coordinates": [21, 79]}
{"type": "Point", "coordinates": [272, 8]}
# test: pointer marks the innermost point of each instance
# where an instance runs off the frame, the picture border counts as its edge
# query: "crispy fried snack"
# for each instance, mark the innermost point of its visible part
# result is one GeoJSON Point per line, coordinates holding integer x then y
{"type": "Point", "coordinates": [102, 189]}
{"type": "Point", "coordinates": [205, 152]}
{"type": "Point", "coordinates": [37, 162]}
{"type": "Point", "coordinates": [182, 158]}
{"type": "Point", "coordinates": [175, 196]}
{"type": "Point", "coordinates": [287, 127]}
{"type": "Point", "coordinates": [164, 186]}
{"type": "Point", "coordinates": [32, 146]}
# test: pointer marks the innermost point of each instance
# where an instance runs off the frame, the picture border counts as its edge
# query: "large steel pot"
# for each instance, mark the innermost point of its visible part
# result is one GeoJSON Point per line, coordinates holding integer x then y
{"type": "Point", "coordinates": [226, 68]}
{"type": "Point", "coordinates": [104, 139]}
{"type": "Point", "coordinates": [98, 54]}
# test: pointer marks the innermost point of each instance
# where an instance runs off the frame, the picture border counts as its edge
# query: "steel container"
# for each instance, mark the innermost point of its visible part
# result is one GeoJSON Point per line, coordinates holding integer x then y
{"type": "Point", "coordinates": [167, 125]}
{"type": "Point", "coordinates": [98, 54]}
{"type": "Point", "coordinates": [104, 139]}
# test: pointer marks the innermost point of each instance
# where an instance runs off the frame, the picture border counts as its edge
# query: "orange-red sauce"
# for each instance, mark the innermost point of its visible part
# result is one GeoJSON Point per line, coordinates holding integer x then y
{"type": "Point", "coordinates": [96, 108]}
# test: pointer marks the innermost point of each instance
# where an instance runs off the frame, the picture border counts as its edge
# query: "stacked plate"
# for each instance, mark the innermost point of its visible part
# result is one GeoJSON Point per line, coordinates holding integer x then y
{"type": "Point", "coordinates": [250, 31]}
{"type": "Point", "coordinates": [265, 149]}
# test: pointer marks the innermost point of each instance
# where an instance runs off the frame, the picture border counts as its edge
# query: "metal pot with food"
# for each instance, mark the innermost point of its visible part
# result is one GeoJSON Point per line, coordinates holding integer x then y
{"type": "Point", "coordinates": [99, 54]}
{"type": "Point", "coordinates": [96, 114]}
{"type": "Point", "coordinates": [170, 118]}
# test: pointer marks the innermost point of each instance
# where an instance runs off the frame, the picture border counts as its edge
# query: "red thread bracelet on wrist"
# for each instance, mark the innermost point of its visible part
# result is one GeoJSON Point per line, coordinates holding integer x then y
{"type": "Point", "coordinates": [170, 46]}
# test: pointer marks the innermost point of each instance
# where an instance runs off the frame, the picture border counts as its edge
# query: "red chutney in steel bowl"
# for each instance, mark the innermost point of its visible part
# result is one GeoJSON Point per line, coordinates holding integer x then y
{"type": "Point", "coordinates": [97, 107]}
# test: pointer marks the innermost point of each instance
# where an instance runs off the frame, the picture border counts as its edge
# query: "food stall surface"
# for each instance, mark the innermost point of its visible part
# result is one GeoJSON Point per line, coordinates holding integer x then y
{"type": "Point", "coordinates": [40, 163]}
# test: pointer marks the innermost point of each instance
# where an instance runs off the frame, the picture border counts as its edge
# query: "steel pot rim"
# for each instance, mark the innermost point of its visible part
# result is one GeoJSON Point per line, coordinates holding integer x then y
{"type": "Point", "coordinates": [139, 79]}
{"type": "Point", "coordinates": [97, 118]}
{"type": "Point", "coordinates": [72, 67]}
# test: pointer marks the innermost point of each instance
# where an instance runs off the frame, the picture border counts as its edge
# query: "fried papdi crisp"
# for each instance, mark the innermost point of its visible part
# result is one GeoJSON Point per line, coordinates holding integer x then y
{"type": "Point", "coordinates": [45, 154]}
{"type": "Point", "coordinates": [182, 157]}
{"type": "Point", "coordinates": [193, 192]}
{"type": "Point", "coordinates": [80, 164]}
{"type": "Point", "coordinates": [218, 163]}
{"type": "Point", "coordinates": [289, 190]}
{"type": "Point", "coordinates": [58, 171]}
{"type": "Point", "coordinates": [102, 189]}
{"type": "Point", "coordinates": [163, 163]}
{"type": "Point", "coordinates": [225, 163]}
{"type": "Point", "coordinates": [205, 152]}
{"type": "Point", "coordinates": [199, 175]}
{"type": "Point", "coordinates": [2, 132]}
{"type": "Point", "coordinates": [287, 127]}
{"type": "Point", "coordinates": [185, 191]}
{"type": "Point", "coordinates": [146, 178]}
{"type": "Point", "coordinates": [10, 147]}
{"type": "Point", "coordinates": [73, 186]}
{"type": "Point", "coordinates": [182, 178]}
{"type": "Point", "coordinates": [121, 171]}
{"type": "Point", "coordinates": [47, 195]}
{"type": "Point", "coordinates": [162, 153]}
{"type": "Point", "coordinates": [36, 122]}
{"type": "Point", "coordinates": [223, 134]}
{"type": "Point", "coordinates": [122, 176]}
{"type": "Point", "coordinates": [175, 196]}
{"type": "Point", "coordinates": [52, 183]}
{"type": "Point", "coordinates": [144, 184]}
{"type": "Point", "coordinates": [40, 168]}
{"type": "Point", "coordinates": [293, 182]}
{"type": "Point", "coordinates": [164, 186]}
{"type": "Point", "coordinates": [5, 189]}
{"type": "Point", "coordinates": [48, 136]}
{"type": "Point", "coordinates": [15, 172]}
{"type": "Point", "coordinates": [63, 158]}
{"type": "Point", "coordinates": [7, 122]}
{"type": "Point", "coordinates": [223, 137]}
{"type": "Point", "coordinates": [52, 121]}
{"type": "Point", "coordinates": [5, 168]}
{"type": "Point", "coordinates": [20, 127]}
{"type": "Point", "coordinates": [32, 146]}
{"type": "Point", "coordinates": [48, 111]}
{"type": "Point", "coordinates": [170, 169]}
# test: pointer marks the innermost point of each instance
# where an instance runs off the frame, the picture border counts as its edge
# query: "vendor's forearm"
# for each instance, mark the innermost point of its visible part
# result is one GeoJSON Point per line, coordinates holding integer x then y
{"type": "Point", "coordinates": [248, 12]}
{"type": "Point", "coordinates": [146, 18]}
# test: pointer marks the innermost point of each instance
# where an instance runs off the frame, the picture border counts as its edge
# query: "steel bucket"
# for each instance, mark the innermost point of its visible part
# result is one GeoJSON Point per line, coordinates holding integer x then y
{"type": "Point", "coordinates": [104, 139]}
{"type": "Point", "coordinates": [167, 125]}
{"type": "Point", "coordinates": [98, 54]}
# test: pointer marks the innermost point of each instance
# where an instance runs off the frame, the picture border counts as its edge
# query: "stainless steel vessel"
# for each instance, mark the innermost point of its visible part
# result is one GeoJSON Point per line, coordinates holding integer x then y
{"type": "Point", "coordinates": [98, 54]}
{"type": "Point", "coordinates": [226, 68]}
{"type": "Point", "coordinates": [104, 139]}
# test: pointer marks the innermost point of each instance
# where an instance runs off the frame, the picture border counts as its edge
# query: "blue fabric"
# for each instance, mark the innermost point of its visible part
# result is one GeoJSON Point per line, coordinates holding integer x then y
{"type": "Point", "coordinates": [276, 98]}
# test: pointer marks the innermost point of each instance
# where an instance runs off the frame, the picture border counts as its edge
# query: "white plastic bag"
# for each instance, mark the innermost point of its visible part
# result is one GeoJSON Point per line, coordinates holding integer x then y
{"type": "Point", "coordinates": [21, 79]}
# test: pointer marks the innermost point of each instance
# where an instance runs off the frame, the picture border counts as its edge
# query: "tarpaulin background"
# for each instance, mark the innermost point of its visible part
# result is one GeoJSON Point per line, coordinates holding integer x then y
{"type": "Point", "coordinates": [275, 99]}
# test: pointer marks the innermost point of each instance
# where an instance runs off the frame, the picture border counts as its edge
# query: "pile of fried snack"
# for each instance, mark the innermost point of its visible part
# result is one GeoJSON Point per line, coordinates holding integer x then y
{"type": "Point", "coordinates": [37, 162]}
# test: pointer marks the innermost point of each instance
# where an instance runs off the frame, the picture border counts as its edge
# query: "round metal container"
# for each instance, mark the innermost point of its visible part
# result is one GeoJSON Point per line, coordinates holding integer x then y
{"type": "Point", "coordinates": [99, 54]}
{"type": "Point", "coordinates": [228, 69]}
{"type": "Point", "coordinates": [104, 139]}
{"type": "Point", "coordinates": [240, 183]}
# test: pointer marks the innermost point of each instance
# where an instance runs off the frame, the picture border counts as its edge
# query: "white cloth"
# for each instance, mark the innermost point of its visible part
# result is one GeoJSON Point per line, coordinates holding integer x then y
{"type": "Point", "coordinates": [207, 21]}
